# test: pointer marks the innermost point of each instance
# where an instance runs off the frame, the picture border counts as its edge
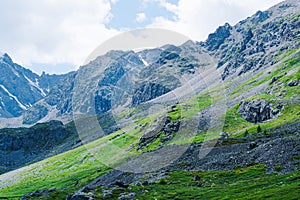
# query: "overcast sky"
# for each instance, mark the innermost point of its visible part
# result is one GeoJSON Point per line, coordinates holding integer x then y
{"type": "Point", "coordinates": [56, 36]}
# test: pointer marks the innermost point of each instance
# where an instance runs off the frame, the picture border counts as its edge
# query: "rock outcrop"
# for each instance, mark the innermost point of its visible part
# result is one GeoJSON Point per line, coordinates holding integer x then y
{"type": "Point", "coordinates": [34, 114]}
{"type": "Point", "coordinates": [164, 129]}
{"type": "Point", "coordinates": [148, 91]}
{"type": "Point", "coordinates": [21, 146]}
{"type": "Point", "coordinates": [21, 88]}
{"type": "Point", "coordinates": [256, 111]}
{"type": "Point", "coordinates": [217, 38]}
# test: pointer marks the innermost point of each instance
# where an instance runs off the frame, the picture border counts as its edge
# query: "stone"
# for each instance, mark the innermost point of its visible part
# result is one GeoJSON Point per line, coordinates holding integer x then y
{"type": "Point", "coordinates": [274, 79]}
{"type": "Point", "coordinates": [223, 135]}
{"type": "Point", "coordinates": [147, 91]}
{"type": "Point", "coordinates": [38, 193]}
{"type": "Point", "coordinates": [252, 145]}
{"type": "Point", "coordinates": [196, 178]}
{"type": "Point", "coordinates": [200, 184]}
{"type": "Point", "coordinates": [145, 183]}
{"type": "Point", "coordinates": [215, 39]}
{"type": "Point", "coordinates": [121, 184]}
{"type": "Point", "coordinates": [81, 196]}
{"type": "Point", "coordinates": [293, 83]}
{"type": "Point", "coordinates": [256, 111]}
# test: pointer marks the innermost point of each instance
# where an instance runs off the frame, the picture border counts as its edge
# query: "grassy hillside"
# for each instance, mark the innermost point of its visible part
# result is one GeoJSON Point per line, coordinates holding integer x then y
{"type": "Point", "coordinates": [74, 169]}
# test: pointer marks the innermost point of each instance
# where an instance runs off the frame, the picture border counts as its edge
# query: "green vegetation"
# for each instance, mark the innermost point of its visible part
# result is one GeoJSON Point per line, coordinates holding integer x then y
{"type": "Point", "coordinates": [234, 121]}
{"type": "Point", "coordinates": [259, 129]}
{"type": "Point", "coordinates": [75, 168]}
{"type": "Point", "coordinates": [175, 114]}
{"type": "Point", "coordinates": [288, 71]}
{"type": "Point", "coordinates": [242, 183]}
{"type": "Point", "coordinates": [72, 170]}
{"type": "Point", "coordinates": [236, 125]}
{"type": "Point", "coordinates": [281, 71]}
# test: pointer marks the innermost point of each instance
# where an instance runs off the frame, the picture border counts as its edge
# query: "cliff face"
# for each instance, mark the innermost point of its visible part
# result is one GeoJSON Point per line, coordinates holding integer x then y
{"type": "Point", "coordinates": [255, 42]}
{"type": "Point", "coordinates": [21, 88]}
{"type": "Point", "coordinates": [241, 115]}
{"type": "Point", "coordinates": [22, 146]}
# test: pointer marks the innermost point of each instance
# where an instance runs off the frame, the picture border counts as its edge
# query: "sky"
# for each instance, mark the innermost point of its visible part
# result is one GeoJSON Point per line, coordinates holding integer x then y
{"type": "Point", "coordinates": [56, 36]}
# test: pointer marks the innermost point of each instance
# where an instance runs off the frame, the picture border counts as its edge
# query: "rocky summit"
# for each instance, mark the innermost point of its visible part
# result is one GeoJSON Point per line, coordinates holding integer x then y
{"type": "Point", "coordinates": [217, 119]}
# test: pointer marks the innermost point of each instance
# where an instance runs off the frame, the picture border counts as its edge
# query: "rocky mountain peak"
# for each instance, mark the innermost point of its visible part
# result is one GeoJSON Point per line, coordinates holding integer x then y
{"type": "Point", "coordinates": [215, 39]}
{"type": "Point", "coordinates": [6, 58]}
{"type": "Point", "coordinates": [260, 17]}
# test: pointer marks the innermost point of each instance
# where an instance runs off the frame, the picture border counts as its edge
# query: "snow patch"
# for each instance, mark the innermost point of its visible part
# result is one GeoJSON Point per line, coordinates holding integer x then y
{"type": "Point", "coordinates": [15, 72]}
{"type": "Point", "coordinates": [36, 85]}
{"type": "Point", "coordinates": [144, 61]}
{"type": "Point", "coordinates": [2, 103]}
{"type": "Point", "coordinates": [14, 97]}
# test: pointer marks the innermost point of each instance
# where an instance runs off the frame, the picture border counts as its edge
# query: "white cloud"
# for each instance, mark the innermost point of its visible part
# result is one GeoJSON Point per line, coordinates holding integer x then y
{"type": "Point", "coordinates": [53, 31]}
{"type": "Point", "coordinates": [140, 17]}
{"type": "Point", "coordinates": [67, 31]}
{"type": "Point", "coordinates": [198, 18]}
{"type": "Point", "coordinates": [114, 1]}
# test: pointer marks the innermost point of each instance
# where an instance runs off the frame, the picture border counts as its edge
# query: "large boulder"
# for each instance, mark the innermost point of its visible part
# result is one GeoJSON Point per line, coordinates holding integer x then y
{"type": "Point", "coordinates": [258, 110]}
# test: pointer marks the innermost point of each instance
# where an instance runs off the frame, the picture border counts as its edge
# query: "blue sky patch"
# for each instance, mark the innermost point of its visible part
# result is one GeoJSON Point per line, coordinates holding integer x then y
{"type": "Point", "coordinates": [125, 13]}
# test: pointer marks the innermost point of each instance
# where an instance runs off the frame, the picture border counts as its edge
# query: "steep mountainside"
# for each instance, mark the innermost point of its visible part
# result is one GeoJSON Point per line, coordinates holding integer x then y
{"type": "Point", "coordinates": [256, 42]}
{"type": "Point", "coordinates": [206, 120]}
{"type": "Point", "coordinates": [20, 88]}
{"type": "Point", "coordinates": [21, 146]}
{"type": "Point", "coordinates": [252, 44]}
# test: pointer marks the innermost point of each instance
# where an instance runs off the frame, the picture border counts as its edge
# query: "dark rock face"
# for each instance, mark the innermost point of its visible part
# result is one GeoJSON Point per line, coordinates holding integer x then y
{"type": "Point", "coordinates": [25, 145]}
{"type": "Point", "coordinates": [112, 75]}
{"type": "Point", "coordinates": [256, 41]}
{"type": "Point", "coordinates": [167, 56]}
{"type": "Point", "coordinates": [103, 100]}
{"type": "Point", "coordinates": [256, 111]}
{"type": "Point", "coordinates": [217, 38]}
{"type": "Point", "coordinates": [247, 37]}
{"type": "Point", "coordinates": [277, 148]}
{"type": "Point", "coordinates": [38, 194]}
{"type": "Point", "coordinates": [20, 88]}
{"type": "Point", "coordinates": [60, 95]}
{"type": "Point", "coordinates": [148, 91]}
{"type": "Point", "coordinates": [260, 17]}
{"type": "Point", "coordinates": [164, 126]}
{"type": "Point", "coordinates": [34, 114]}
{"type": "Point", "coordinates": [80, 196]}
{"type": "Point", "coordinates": [293, 83]}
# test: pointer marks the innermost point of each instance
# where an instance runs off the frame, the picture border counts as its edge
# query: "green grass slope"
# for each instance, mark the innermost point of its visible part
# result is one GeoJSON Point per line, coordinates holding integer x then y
{"type": "Point", "coordinates": [74, 169]}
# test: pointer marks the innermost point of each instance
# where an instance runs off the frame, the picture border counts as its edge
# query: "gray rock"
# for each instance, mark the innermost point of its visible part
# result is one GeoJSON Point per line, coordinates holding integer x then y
{"type": "Point", "coordinates": [256, 111]}
{"type": "Point", "coordinates": [252, 145]}
{"type": "Point", "coordinates": [196, 178]}
{"type": "Point", "coordinates": [81, 196]}
{"type": "Point", "coordinates": [218, 37]}
{"type": "Point", "coordinates": [126, 196]}
{"type": "Point", "coordinates": [293, 83]}
{"type": "Point", "coordinates": [148, 91]}
{"type": "Point", "coordinates": [223, 135]}
{"type": "Point", "coordinates": [164, 125]}
{"type": "Point", "coordinates": [38, 194]}
{"type": "Point", "coordinates": [34, 114]}
{"type": "Point", "coordinates": [27, 145]}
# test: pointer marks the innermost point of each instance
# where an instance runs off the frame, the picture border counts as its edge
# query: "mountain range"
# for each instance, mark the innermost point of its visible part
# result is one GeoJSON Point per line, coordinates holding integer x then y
{"type": "Point", "coordinates": [162, 122]}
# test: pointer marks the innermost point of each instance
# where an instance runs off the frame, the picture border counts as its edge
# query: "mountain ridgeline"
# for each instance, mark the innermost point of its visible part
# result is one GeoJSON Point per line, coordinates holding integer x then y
{"type": "Point", "coordinates": [238, 92]}
{"type": "Point", "coordinates": [250, 45]}
{"type": "Point", "coordinates": [20, 88]}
